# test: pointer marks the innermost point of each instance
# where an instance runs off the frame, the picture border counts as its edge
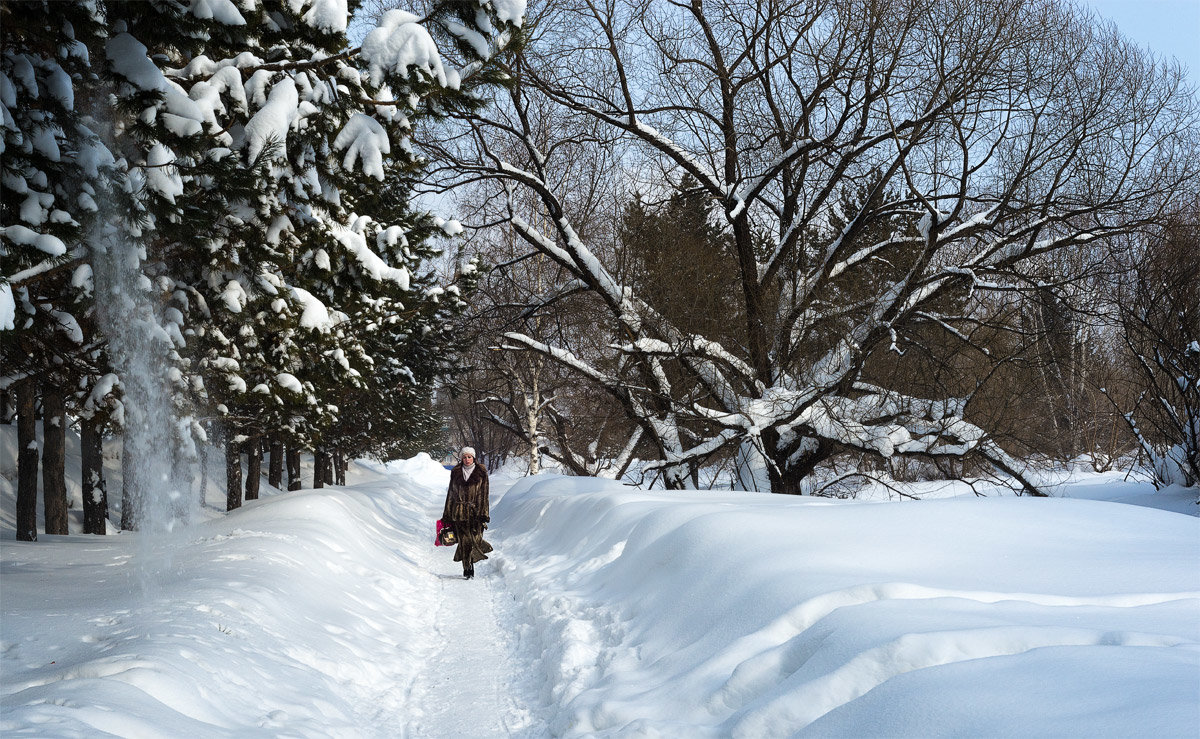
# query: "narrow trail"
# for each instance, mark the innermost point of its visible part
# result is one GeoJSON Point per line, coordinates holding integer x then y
{"type": "Point", "coordinates": [481, 679]}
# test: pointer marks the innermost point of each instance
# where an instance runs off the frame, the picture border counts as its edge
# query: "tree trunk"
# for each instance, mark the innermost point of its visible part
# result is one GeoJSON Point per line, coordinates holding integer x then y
{"type": "Point", "coordinates": [532, 407]}
{"type": "Point", "coordinates": [131, 489]}
{"type": "Point", "coordinates": [327, 466]}
{"type": "Point", "coordinates": [293, 468]}
{"type": "Point", "coordinates": [789, 469]}
{"type": "Point", "coordinates": [339, 468]}
{"type": "Point", "coordinates": [233, 475]}
{"type": "Point", "coordinates": [275, 467]}
{"type": "Point", "coordinates": [54, 460]}
{"type": "Point", "coordinates": [318, 469]}
{"type": "Point", "coordinates": [204, 445]}
{"type": "Point", "coordinates": [27, 461]}
{"type": "Point", "coordinates": [253, 468]}
{"type": "Point", "coordinates": [95, 488]}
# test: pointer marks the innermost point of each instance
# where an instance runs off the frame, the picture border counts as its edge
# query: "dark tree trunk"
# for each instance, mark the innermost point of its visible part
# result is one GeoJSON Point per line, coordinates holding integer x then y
{"type": "Point", "coordinates": [318, 469]}
{"type": "Point", "coordinates": [293, 468]}
{"type": "Point", "coordinates": [789, 470]}
{"type": "Point", "coordinates": [328, 467]}
{"type": "Point", "coordinates": [27, 461]}
{"type": "Point", "coordinates": [253, 468]}
{"type": "Point", "coordinates": [95, 488]}
{"type": "Point", "coordinates": [233, 475]}
{"type": "Point", "coordinates": [339, 466]}
{"type": "Point", "coordinates": [54, 460]}
{"type": "Point", "coordinates": [204, 445]}
{"type": "Point", "coordinates": [131, 488]}
{"type": "Point", "coordinates": [275, 467]}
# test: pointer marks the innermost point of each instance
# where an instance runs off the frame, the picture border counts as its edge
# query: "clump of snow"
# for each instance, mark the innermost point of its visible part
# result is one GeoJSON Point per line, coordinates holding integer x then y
{"type": "Point", "coordinates": [273, 121]}
{"type": "Point", "coordinates": [58, 84]}
{"type": "Point", "coordinates": [400, 42]}
{"type": "Point", "coordinates": [510, 11]}
{"type": "Point", "coordinates": [324, 15]}
{"type": "Point", "coordinates": [314, 314]}
{"type": "Point", "coordinates": [288, 381]}
{"type": "Point", "coordinates": [222, 11]}
{"type": "Point", "coordinates": [449, 227]}
{"type": "Point", "coordinates": [8, 308]}
{"type": "Point", "coordinates": [353, 239]}
{"type": "Point", "coordinates": [48, 243]}
{"type": "Point", "coordinates": [363, 138]}
{"type": "Point", "coordinates": [130, 59]}
{"type": "Point", "coordinates": [161, 174]}
{"type": "Point", "coordinates": [234, 296]}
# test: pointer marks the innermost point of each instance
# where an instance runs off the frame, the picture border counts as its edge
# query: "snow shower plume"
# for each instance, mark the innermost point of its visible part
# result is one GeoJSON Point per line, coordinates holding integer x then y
{"type": "Point", "coordinates": [156, 500]}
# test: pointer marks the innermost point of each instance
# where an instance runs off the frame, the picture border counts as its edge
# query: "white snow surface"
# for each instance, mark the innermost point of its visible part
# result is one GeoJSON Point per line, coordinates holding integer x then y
{"type": "Point", "coordinates": [363, 138]}
{"type": "Point", "coordinates": [273, 121]}
{"type": "Point", "coordinates": [8, 308]}
{"type": "Point", "coordinates": [608, 611]}
{"type": "Point", "coordinates": [400, 42]}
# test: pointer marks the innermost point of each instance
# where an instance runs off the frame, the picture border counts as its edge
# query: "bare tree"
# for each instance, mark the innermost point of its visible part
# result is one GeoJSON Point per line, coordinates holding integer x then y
{"type": "Point", "coordinates": [525, 398]}
{"type": "Point", "coordinates": [989, 136]}
{"type": "Point", "coordinates": [1160, 314]}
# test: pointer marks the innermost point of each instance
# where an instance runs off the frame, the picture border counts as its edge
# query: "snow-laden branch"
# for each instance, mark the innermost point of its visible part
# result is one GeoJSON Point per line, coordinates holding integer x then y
{"type": "Point", "coordinates": [562, 356]}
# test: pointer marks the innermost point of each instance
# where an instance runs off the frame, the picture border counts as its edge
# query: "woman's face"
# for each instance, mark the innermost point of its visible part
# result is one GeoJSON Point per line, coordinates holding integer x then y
{"type": "Point", "coordinates": [468, 459]}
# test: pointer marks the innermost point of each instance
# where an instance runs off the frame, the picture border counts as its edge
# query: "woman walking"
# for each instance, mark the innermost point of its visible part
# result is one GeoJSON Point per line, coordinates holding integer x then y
{"type": "Point", "coordinates": [467, 511]}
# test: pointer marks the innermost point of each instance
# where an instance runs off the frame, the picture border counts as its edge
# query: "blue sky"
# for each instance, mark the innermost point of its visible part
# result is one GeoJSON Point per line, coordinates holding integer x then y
{"type": "Point", "coordinates": [1167, 26]}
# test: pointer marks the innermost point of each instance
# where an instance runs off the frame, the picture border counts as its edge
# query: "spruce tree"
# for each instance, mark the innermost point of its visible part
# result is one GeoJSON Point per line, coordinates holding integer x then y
{"type": "Point", "coordinates": [219, 194]}
{"type": "Point", "coordinates": [281, 233]}
{"type": "Point", "coordinates": [52, 165]}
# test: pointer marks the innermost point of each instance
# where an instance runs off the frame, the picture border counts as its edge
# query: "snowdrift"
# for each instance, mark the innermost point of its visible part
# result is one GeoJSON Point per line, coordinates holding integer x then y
{"type": "Point", "coordinates": [301, 615]}
{"type": "Point", "coordinates": [751, 615]}
{"type": "Point", "coordinates": [609, 611]}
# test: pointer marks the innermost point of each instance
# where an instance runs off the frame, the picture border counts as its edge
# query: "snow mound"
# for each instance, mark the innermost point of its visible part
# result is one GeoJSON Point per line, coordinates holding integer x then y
{"type": "Point", "coordinates": [286, 617]}
{"type": "Point", "coordinates": [608, 611]}
{"type": "Point", "coordinates": [420, 467]}
{"type": "Point", "coordinates": [750, 615]}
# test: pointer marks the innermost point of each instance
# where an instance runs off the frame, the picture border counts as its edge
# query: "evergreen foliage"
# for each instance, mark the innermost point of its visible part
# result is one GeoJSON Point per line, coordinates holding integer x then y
{"type": "Point", "coordinates": [246, 174]}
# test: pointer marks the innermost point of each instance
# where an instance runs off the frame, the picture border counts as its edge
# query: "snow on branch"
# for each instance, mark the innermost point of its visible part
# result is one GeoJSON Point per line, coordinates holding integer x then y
{"type": "Point", "coordinates": [562, 356]}
{"type": "Point", "coordinates": [400, 42]}
{"type": "Point", "coordinates": [351, 236]}
{"type": "Point", "coordinates": [363, 138]}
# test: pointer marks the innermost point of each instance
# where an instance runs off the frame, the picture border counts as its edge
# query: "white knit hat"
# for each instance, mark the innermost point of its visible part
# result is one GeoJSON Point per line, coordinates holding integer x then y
{"type": "Point", "coordinates": [467, 450]}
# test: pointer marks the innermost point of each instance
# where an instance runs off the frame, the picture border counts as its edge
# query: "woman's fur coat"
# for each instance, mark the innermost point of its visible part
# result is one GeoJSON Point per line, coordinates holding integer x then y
{"type": "Point", "coordinates": [467, 511]}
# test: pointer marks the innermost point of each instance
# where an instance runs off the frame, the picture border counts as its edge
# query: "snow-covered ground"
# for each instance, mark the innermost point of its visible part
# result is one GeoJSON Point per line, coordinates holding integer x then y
{"type": "Point", "coordinates": [610, 611]}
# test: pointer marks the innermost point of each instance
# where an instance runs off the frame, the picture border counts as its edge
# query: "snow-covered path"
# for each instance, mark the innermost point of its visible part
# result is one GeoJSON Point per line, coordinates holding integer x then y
{"type": "Point", "coordinates": [481, 679]}
{"type": "Point", "coordinates": [316, 613]}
